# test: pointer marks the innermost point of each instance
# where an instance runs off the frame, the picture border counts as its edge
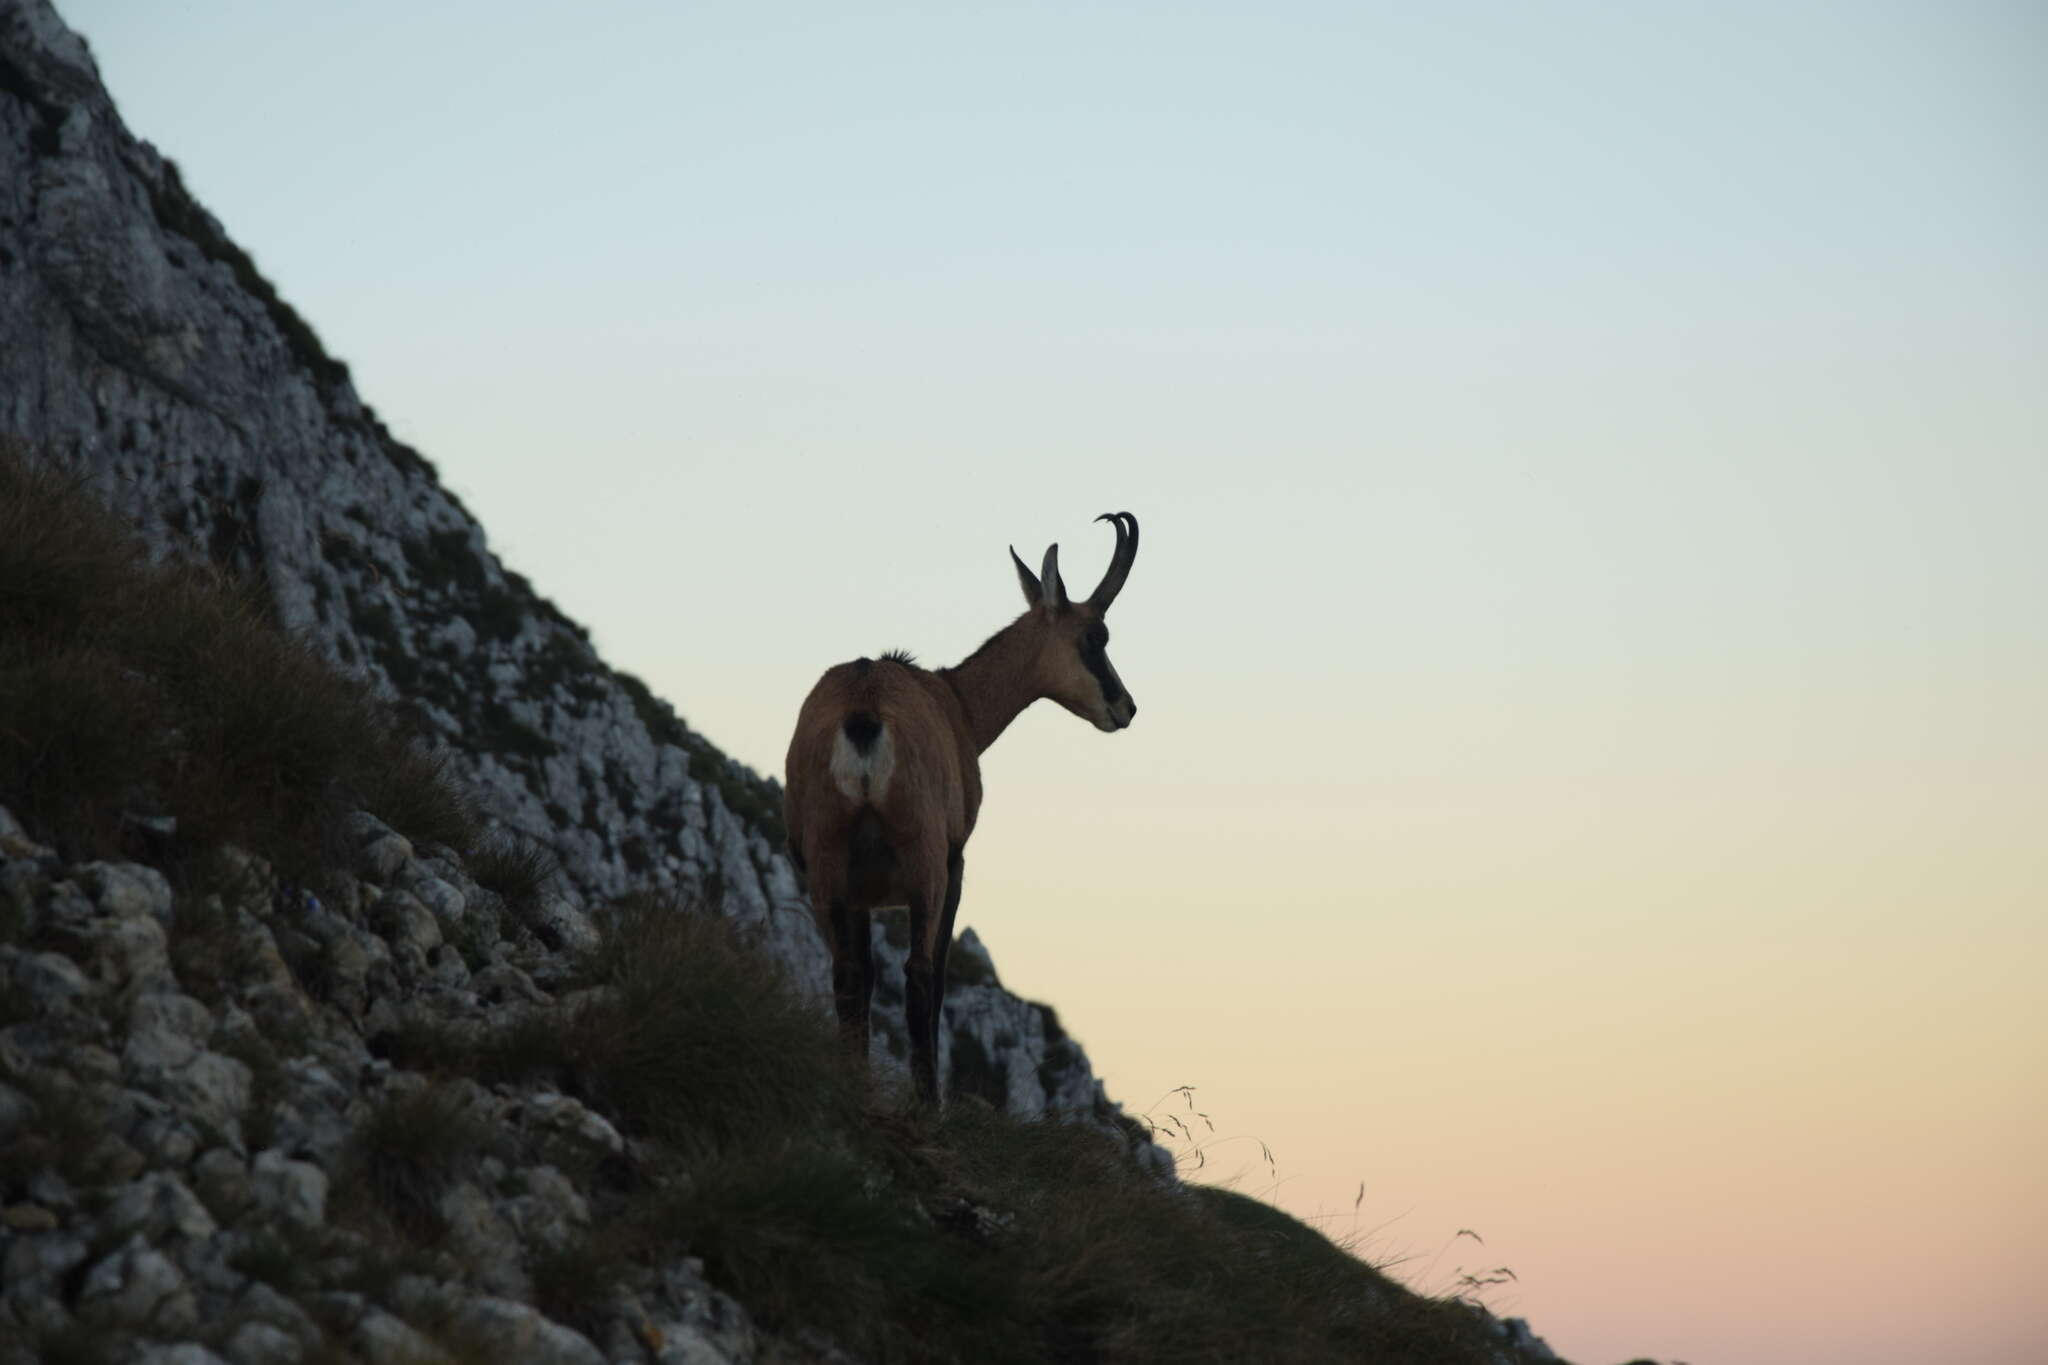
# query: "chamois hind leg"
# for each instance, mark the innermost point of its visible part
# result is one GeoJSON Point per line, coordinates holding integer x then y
{"type": "Point", "coordinates": [853, 976]}
{"type": "Point", "coordinates": [921, 991]}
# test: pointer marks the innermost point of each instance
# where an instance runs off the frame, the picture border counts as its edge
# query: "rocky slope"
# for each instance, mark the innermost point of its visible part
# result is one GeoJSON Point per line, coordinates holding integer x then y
{"type": "Point", "coordinates": [140, 347]}
{"type": "Point", "coordinates": [180, 1156]}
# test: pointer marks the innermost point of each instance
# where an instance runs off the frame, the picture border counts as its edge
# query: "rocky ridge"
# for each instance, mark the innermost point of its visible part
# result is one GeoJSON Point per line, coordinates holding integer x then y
{"type": "Point", "coordinates": [140, 347]}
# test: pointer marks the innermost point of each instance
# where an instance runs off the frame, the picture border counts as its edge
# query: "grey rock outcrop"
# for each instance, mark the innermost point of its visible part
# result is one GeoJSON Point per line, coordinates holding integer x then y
{"type": "Point", "coordinates": [228, 1217]}
{"type": "Point", "coordinates": [141, 348]}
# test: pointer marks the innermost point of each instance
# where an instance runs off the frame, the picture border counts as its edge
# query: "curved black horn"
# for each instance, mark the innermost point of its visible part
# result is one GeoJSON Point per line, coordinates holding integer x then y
{"type": "Point", "coordinates": [1119, 563]}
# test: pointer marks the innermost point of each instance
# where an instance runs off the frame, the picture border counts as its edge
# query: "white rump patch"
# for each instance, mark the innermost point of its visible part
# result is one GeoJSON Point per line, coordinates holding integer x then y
{"type": "Point", "coordinates": [863, 777]}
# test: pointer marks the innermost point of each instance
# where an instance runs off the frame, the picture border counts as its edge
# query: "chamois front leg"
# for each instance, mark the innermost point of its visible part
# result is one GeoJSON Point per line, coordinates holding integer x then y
{"type": "Point", "coordinates": [942, 945]}
{"type": "Point", "coordinates": [853, 977]}
{"type": "Point", "coordinates": [922, 991]}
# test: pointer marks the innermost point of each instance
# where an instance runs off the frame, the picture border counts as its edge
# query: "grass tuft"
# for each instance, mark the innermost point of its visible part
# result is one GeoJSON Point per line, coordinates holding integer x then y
{"type": "Point", "coordinates": [409, 1152]}
{"type": "Point", "coordinates": [520, 869]}
{"type": "Point", "coordinates": [808, 1238]}
{"type": "Point", "coordinates": [698, 1040]}
{"type": "Point", "coordinates": [130, 689]}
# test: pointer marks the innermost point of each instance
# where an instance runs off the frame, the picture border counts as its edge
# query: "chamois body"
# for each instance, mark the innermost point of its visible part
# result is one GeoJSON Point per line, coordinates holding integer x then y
{"type": "Point", "coordinates": [883, 782]}
{"type": "Point", "coordinates": [919, 763]}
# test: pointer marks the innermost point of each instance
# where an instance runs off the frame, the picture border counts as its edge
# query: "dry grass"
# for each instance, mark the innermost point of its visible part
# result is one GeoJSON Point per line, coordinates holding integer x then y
{"type": "Point", "coordinates": [407, 1154]}
{"type": "Point", "coordinates": [700, 1041]}
{"type": "Point", "coordinates": [518, 868]}
{"type": "Point", "coordinates": [131, 690]}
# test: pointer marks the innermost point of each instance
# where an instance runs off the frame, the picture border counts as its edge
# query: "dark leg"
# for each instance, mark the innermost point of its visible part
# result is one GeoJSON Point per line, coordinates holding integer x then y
{"type": "Point", "coordinates": [925, 978]}
{"type": "Point", "coordinates": [920, 999]}
{"type": "Point", "coordinates": [853, 977]}
{"type": "Point", "coordinates": [943, 944]}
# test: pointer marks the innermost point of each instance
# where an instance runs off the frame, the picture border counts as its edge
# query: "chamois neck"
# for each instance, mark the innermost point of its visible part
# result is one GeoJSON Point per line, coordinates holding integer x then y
{"type": "Point", "coordinates": [996, 682]}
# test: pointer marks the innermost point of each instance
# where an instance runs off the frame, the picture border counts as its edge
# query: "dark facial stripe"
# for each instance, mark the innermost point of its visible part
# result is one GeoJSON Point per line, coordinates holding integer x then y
{"type": "Point", "coordinates": [1096, 660]}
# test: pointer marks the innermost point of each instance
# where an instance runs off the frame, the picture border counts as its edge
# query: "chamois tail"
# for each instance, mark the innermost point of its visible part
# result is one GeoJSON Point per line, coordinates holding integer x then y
{"type": "Point", "coordinates": [863, 757]}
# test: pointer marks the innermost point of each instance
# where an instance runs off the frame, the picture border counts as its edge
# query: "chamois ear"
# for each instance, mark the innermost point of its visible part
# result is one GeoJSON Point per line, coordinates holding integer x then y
{"type": "Point", "coordinates": [1055, 593]}
{"type": "Point", "coordinates": [1029, 581]}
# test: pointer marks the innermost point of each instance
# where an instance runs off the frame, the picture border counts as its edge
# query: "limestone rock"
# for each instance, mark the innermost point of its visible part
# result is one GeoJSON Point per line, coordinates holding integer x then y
{"type": "Point", "coordinates": [295, 1191]}
{"type": "Point", "coordinates": [259, 1343]}
{"type": "Point", "coordinates": [128, 889]}
{"type": "Point", "coordinates": [46, 982]}
{"type": "Point", "coordinates": [514, 1331]}
{"type": "Point", "coordinates": [138, 1287]}
{"type": "Point", "coordinates": [157, 1206]}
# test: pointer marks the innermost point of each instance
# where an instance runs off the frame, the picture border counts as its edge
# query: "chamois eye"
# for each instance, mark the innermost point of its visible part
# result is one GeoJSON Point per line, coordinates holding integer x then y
{"type": "Point", "coordinates": [1098, 636]}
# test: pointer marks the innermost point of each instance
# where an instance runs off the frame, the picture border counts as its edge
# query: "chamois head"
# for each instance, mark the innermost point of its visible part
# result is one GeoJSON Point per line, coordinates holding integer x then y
{"type": "Point", "coordinates": [1072, 662]}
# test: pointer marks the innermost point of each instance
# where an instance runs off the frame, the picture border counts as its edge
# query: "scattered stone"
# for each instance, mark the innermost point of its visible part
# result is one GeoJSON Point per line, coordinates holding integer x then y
{"type": "Point", "coordinates": [47, 982]}
{"type": "Point", "coordinates": [501, 983]}
{"type": "Point", "coordinates": [166, 1031]}
{"type": "Point", "coordinates": [183, 1353]}
{"type": "Point", "coordinates": [402, 919]}
{"type": "Point", "coordinates": [213, 1088]}
{"type": "Point", "coordinates": [381, 858]}
{"type": "Point", "coordinates": [157, 1206]}
{"type": "Point", "coordinates": [128, 889]}
{"type": "Point", "coordinates": [138, 1287]}
{"type": "Point", "coordinates": [92, 1063]}
{"type": "Point", "coordinates": [121, 953]}
{"type": "Point", "coordinates": [385, 1340]}
{"type": "Point", "coordinates": [42, 1258]}
{"type": "Point", "coordinates": [262, 1303]}
{"type": "Point", "coordinates": [568, 1118]}
{"type": "Point", "coordinates": [166, 1139]}
{"type": "Point", "coordinates": [28, 1218]}
{"type": "Point", "coordinates": [515, 1331]}
{"type": "Point", "coordinates": [549, 1210]}
{"type": "Point", "coordinates": [295, 1191]}
{"type": "Point", "coordinates": [258, 1343]}
{"type": "Point", "coordinates": [482, 1237]}
{"type": "Point", "coordinates": [52, 1191]}
{"type": "Point", "coordinates": [441, 899]}
{"type": "Point", "coordinates": [221, 1180]}
{"type": "Point", "coordinates": [111, 1161]}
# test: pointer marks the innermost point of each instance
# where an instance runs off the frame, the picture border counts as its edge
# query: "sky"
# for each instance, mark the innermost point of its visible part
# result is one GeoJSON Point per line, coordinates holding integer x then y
{"type": "Point", "coordinates": [1589, 629]}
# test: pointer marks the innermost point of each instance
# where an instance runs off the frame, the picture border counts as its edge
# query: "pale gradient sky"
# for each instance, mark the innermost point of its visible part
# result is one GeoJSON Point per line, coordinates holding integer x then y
{"type": "Point", "coordinates": [1590, 630]}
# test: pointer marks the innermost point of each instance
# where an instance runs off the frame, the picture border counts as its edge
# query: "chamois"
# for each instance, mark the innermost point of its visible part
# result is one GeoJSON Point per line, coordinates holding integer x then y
{"type": "Point", "coordinates": [883, 781]}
